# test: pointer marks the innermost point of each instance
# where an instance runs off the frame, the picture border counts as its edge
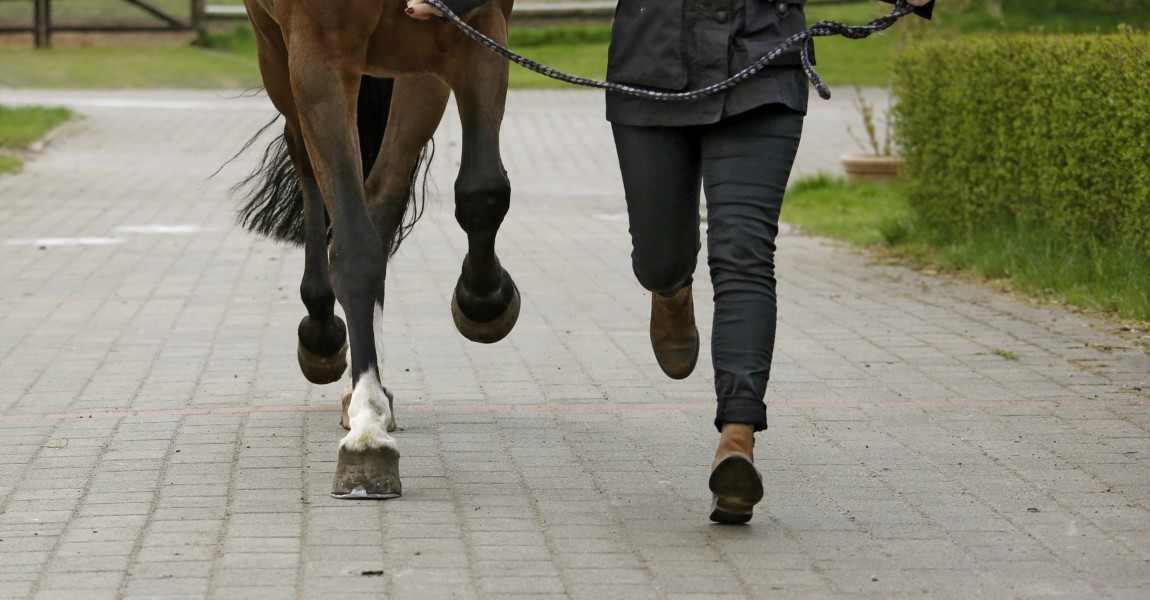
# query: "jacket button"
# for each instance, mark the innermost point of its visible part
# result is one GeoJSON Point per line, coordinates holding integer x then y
{"type": "Point", "coordinates": [721, 16]}
{"type": "Point", "coordinates": [782, 9]}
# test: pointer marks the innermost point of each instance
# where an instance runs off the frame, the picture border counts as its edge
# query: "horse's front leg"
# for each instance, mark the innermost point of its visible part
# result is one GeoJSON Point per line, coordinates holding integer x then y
{"type": "Point", "coordinates": [485, 305]}
{"type": "Point", "coordinates": [325, 83]}
{"type": "Point", "coordinates": [416, 107]}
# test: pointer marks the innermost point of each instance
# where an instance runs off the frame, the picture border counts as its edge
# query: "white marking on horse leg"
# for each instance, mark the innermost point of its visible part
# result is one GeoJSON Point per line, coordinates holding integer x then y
{"type": "Point", "coordinates": [377, 326]}
{"type": "Point", "coordinates": [377, 329]}
{"type": "Point", "coordinates": [345, 401]}
{"type": "Point", "coordinates": [368, 415]}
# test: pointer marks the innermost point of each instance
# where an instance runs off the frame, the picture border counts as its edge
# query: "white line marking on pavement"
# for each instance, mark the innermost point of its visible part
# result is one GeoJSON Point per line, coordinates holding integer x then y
{"type": "Point", "coordinates": [158, 229]}
{"type": "Point", "coordinates": [76, 241]}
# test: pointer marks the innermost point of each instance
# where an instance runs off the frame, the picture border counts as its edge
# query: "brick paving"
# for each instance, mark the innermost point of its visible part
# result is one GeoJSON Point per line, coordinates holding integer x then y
{"type": "Point", "coordinates": [928, 437]}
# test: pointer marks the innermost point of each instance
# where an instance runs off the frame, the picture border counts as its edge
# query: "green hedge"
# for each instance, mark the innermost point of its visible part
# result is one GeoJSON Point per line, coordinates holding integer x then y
{"type": "Point", "coordinates": [1043, 129]}
{"type": "Point", "coordinates": [1073, 7]}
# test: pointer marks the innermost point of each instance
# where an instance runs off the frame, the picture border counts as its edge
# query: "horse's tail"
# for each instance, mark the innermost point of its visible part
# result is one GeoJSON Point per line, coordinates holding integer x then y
{"type": "Point", "coordinates": [273, 198]}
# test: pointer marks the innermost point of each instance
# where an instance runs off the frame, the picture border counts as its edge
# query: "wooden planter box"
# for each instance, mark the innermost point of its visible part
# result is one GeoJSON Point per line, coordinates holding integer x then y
{"type": "Point", "coordinates": [870, 167]}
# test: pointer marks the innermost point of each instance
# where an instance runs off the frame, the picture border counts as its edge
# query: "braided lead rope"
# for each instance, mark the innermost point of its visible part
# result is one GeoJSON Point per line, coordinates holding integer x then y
{"type": "Point", "coordinates": [820, 29]}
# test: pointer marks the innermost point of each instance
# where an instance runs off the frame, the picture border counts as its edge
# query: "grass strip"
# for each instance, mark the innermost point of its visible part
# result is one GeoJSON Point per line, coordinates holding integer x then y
{"type": "Point", "coordinates": [9, 163]}
{"type": "Point", "coordinates": [1107, 276]}
{"type": "Point", "coordinates": [21, 127]}
{"type": "Point", "coordinates": [128, 67]}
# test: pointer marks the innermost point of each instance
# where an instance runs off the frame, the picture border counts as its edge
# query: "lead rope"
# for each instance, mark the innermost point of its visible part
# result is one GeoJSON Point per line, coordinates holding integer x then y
{"type": "Point", "coordinates": [820, 29]}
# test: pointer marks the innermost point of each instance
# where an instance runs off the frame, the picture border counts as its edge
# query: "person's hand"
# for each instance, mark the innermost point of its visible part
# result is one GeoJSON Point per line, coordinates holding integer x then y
{"type": "Point", "coordinates": [420, 9]}
{"type": "Point", "coordinates": [910, 2]}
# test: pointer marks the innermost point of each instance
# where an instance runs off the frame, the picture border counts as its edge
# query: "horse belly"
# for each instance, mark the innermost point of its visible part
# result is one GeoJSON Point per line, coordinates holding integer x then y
{"type": "Point", "coordinates": [400, 48]}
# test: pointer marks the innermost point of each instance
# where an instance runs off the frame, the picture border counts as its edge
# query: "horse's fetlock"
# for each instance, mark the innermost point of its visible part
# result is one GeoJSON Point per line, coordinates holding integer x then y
{"type": "Point", "coordinates": [322, 336]}
{"type": "Point", "coordinates": [482, 211]}
{"type": "Point", "coordinates": [317, 297]}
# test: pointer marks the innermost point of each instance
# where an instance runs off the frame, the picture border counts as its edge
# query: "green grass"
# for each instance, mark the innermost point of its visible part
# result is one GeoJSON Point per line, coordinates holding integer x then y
{"type": "Point", "coordinates": [127, 67]}
{"type": "Point", "coordinates": [563, 36]}
{"type": "Point", "coordinates": [1105, 276]}
{"type": "Point", "coordinates": [9, 163]}
{"type": "Point", "coordinates": [576, 50]}
{"type": "Point", "coordinates": [1018, 19]}
{"type": "Point", "coordinates": [583, 60]}
{"type": "Point", "coordinates": [1006, 354]}
{"type": "Point", "coordinates": [1098, 275]}
{"type": "Point", "coordinates": [860, 214]}
{"type": "Point", "coordinates": [856, 62]}
{"type": "Point", "coordinates": [20, 127]}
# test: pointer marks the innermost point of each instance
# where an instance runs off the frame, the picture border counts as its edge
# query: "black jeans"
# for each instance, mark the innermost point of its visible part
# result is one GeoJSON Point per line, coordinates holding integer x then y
{"type": "Point", "coordinates": [742, 164]}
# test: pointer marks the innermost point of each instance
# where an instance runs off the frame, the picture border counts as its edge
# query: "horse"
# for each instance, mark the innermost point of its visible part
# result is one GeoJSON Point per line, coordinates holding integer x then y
{"type": "Point", "coordinates": [362, 87]}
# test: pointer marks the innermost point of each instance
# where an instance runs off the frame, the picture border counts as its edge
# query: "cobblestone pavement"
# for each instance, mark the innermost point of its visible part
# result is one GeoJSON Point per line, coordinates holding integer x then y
{"type": "Point", "coordinates": [928, 437]}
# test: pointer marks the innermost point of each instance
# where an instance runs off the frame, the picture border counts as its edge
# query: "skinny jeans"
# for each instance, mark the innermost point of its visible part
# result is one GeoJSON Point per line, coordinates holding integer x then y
{"type": "Point", "coordinates": [742, 164]}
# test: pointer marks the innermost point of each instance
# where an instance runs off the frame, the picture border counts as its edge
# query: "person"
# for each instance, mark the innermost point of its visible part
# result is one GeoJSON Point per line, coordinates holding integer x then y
{"type": "Point", "coordinates": [737, 147]}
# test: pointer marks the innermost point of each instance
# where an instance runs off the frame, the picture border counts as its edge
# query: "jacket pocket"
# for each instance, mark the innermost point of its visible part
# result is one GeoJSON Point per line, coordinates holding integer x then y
{"type": "Point", "coordinates": [769, 23]}
{"type": "Point", "coordinates": [647, 44]}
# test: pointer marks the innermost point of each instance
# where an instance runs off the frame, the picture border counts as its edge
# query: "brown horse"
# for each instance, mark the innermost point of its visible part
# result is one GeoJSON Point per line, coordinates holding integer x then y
{"type": "Point", "coordinates": [320, 61]}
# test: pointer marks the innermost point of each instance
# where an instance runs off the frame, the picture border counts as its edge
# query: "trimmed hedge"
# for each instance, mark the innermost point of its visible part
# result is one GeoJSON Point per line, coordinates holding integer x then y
{"type": "Point", "coordinates": [1045, 129]}
{"type": "Point", "coordinates": [1072, 7]}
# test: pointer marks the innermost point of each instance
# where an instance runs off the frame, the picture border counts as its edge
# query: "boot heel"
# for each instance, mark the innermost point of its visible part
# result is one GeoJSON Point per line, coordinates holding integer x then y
{"type": "Point", "coordinates": [737, 487]}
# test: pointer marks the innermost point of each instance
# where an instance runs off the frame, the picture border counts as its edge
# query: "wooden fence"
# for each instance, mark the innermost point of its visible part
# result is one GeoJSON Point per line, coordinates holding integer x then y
{"type": "Point", "coordinates": [200, 12]}
{"type": "Point", "coordinates": [43, 26]}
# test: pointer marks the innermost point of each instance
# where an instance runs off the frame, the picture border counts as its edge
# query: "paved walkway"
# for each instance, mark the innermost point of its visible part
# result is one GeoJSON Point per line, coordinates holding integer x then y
{"type": "Point", "coordinates": [928, 438]}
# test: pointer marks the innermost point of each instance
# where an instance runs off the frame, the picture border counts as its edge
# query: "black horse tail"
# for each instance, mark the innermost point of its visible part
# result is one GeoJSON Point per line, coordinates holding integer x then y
{"type": "Point", "coordinates": [272, 203]}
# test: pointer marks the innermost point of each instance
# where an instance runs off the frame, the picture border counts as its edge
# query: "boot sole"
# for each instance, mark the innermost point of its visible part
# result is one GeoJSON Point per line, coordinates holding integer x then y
{"type": "Point", "coordinates": [737, 488]}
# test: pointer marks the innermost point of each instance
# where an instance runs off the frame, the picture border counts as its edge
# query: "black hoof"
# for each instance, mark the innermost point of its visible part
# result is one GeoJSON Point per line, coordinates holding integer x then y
{"type": "Point", "coordinates": [486, 319]}
{"type": "Point", "coordinates": [322, 350]}
{"type": "Point", "coordinates": [369, 475]}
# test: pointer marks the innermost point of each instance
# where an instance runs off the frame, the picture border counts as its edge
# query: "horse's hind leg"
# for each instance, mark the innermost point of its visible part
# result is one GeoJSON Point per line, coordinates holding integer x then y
{"type": "Point", "coordinates": [322, 349]}
{"type": "Point", "coordinates": [485, 305]}
{"type": "Point", "coordinates": [417, 106]}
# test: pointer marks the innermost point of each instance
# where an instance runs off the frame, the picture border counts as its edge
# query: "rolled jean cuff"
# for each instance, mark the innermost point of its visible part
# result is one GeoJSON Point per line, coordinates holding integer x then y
{"type": "Point", "coordinates": [667, 293]}
{"type": "Point", "coordinates": [751, 411]}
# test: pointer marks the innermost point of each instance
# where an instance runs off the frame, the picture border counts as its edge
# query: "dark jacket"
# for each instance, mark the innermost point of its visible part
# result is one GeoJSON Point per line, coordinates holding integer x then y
{"type": "Point", "coordinates": [678, 45]}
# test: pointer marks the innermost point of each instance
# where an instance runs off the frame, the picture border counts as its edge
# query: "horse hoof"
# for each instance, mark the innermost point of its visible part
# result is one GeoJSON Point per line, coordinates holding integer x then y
{"type": "Point", "coordinates": [345, 422]}
{"type": "Point", "coordinates": [491, 330]}
{"type": "Point", "coordinates": [322, 369]}
{"type": "Point", "coordinates": [322, 350]}
{"type": "Point", "coordinates": [372, 474]}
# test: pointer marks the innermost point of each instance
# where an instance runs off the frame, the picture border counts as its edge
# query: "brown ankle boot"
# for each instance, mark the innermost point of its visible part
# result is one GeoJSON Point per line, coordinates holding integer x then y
{"type": "Point", "coordinates": [674, 336]}
{"type": "Point", "coordinates": [735, 483]}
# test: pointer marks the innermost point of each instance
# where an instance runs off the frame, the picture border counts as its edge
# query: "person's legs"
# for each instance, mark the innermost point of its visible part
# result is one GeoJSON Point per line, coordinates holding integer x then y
{"type": "Point", "coordinates": [746, 163]}
{"type": "Point", "coordinates": [660, 168]}
{"type": "Point", "coordinates": [661, 178]}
